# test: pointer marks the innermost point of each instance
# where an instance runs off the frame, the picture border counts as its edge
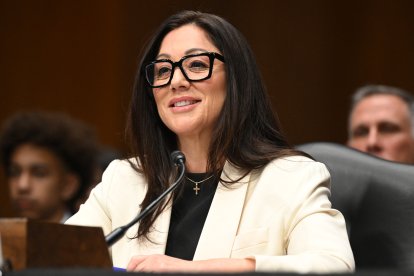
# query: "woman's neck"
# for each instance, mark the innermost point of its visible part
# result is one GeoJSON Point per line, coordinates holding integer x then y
{"type": "Point", "coordinates": [196, 154]}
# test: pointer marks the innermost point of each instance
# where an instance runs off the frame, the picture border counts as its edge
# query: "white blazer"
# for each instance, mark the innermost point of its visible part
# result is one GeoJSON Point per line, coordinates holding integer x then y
{"type": "Point", "coordinates": [280, 216]}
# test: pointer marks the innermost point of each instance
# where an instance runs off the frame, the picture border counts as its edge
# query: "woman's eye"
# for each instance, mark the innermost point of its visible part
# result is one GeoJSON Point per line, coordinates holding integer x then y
{"type": "Point", "coordinates": [198, 65]}
{"type": "Point", "coordinates": [163, 72]}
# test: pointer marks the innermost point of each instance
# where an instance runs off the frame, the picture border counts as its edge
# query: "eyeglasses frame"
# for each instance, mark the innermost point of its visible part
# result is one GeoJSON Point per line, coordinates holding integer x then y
{"type": "Point", "coordinates": [179, 64]}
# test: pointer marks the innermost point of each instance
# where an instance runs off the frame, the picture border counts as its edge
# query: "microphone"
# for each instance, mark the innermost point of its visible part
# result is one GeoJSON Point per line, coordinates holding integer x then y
{"type": "Point", "coordinates": [178, 159]}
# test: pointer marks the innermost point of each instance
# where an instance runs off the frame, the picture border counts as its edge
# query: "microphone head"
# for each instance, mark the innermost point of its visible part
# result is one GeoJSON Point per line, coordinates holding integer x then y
{"type": "Point", "coordinates": [178, 157]}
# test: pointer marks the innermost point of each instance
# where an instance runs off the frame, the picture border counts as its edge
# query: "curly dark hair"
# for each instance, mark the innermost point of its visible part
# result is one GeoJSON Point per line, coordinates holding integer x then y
{"type": "Point", "coordinates": [73, 142]}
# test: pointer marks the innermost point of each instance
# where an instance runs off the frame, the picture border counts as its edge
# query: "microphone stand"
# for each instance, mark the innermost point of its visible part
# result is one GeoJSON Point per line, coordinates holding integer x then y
{"type": "Point", "coordinates": [118, 233]}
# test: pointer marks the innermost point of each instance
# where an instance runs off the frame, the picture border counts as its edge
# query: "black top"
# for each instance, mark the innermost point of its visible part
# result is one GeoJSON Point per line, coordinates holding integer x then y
{"type": "Point", "coordinates": [188, 215]}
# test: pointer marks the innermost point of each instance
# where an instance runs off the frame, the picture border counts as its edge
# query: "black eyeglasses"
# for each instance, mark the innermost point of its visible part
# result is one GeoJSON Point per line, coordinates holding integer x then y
{"type": "Point", "coordinates": [195, 67]}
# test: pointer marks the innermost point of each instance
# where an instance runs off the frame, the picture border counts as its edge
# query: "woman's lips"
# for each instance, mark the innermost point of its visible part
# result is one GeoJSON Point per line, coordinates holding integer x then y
{"type": "Point", "coordinates": [184, 103]}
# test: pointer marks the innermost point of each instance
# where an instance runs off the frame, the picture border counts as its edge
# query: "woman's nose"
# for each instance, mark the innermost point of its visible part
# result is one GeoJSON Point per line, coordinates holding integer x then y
{"type": "Point", "coordinates": [178, 79]}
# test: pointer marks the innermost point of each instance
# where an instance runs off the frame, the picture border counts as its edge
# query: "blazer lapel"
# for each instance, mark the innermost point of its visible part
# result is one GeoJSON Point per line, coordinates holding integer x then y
{"type": "Point", "coordinates": [220, 228]}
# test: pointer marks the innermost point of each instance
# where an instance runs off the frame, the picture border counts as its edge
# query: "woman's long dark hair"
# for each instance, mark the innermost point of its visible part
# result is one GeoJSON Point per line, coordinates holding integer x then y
{"type": "Point", "coordinates": [247, 133]}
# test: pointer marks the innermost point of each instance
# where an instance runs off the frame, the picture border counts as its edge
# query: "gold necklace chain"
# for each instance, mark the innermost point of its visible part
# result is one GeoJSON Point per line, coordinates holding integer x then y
{"type": "Point", "coordinates": [196, 188]}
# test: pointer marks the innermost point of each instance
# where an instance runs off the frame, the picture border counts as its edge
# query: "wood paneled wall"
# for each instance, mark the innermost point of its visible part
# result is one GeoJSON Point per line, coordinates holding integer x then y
{"type": "Point", "coordinates": [80, 57]}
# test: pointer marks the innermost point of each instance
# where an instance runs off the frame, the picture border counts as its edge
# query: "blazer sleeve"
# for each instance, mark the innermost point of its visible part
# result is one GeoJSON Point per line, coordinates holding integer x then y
{"type": "Point", "coordinates": [315, 236]}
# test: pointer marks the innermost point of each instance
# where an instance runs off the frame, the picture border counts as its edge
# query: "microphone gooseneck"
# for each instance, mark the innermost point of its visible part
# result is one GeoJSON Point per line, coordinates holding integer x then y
{"type": "Point", "coordinates": [178, 159]}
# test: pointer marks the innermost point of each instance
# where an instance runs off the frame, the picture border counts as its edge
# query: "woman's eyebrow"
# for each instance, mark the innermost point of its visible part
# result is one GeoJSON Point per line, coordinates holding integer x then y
{"type": "Point", "coordinates": [162, 56]}
{"type": "Point", "coordinates": [188, 52]}
{"type": "Point", "coordinates": [193, 50]}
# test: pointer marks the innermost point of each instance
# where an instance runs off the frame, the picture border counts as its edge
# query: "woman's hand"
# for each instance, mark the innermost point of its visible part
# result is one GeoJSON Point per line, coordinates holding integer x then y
{"type": "Point", "coordinates": [163, 263]}
{"type": "Point", "coordinates": [158, 263]}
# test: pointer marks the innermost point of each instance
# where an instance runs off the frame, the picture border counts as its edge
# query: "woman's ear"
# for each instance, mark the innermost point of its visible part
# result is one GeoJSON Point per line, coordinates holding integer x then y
{"type": "Point", "coordinates": [70, 187]}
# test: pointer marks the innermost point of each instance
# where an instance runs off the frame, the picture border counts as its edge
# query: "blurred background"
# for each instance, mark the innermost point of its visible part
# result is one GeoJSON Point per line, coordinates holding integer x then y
{"type": "Point", "coordinates": [80, 57]}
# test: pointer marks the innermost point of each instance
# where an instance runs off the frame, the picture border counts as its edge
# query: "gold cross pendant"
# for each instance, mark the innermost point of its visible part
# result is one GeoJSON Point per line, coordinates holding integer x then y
{"type": "Point", "coordinates": [196, 188]}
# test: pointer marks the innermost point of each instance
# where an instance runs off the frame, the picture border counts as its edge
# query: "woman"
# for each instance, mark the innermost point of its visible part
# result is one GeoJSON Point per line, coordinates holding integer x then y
{"type": "Point", "coordinates": [249, 202]}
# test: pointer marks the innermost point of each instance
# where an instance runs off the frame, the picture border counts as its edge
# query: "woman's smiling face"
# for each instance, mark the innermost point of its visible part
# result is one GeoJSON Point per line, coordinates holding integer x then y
{"type": "Point", "coordinates": [190, 109]}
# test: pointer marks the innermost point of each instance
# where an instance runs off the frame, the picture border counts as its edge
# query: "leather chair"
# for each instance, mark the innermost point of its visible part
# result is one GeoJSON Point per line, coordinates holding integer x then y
{"type": "Point", "coordinates": [376, 198]}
